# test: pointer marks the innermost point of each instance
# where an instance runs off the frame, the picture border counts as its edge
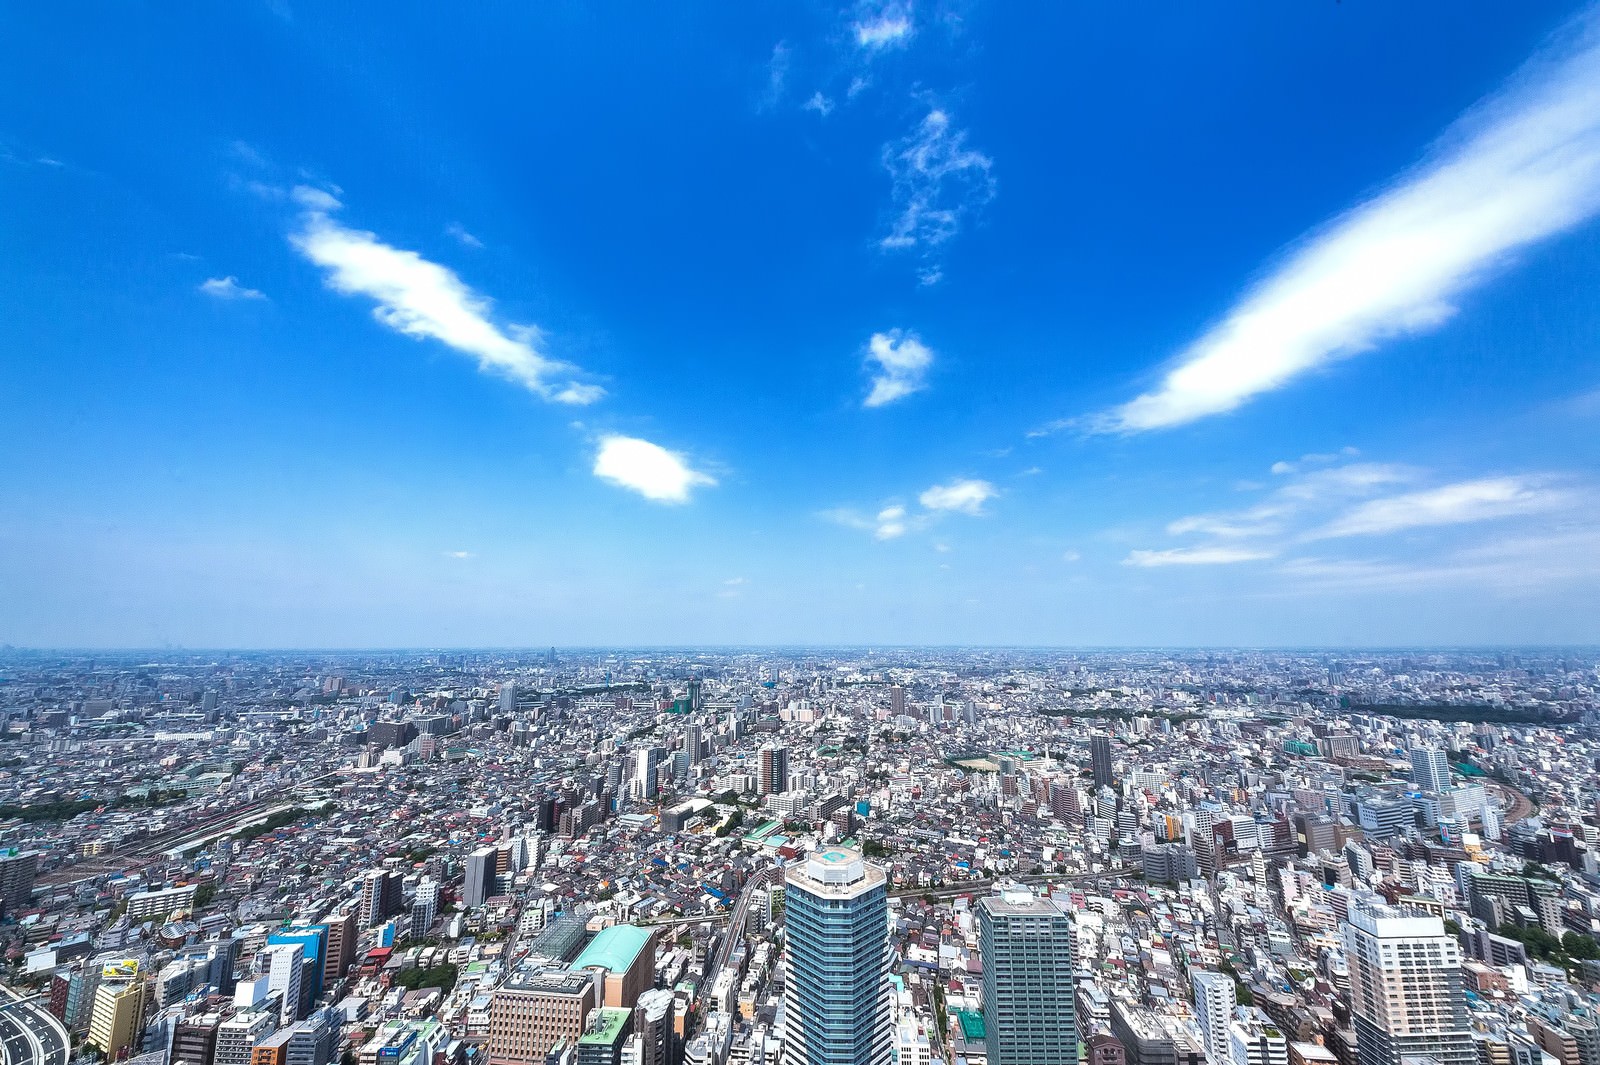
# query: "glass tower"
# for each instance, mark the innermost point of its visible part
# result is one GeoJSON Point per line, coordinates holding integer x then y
{"type": "Point", "coordinates": [836, 911]}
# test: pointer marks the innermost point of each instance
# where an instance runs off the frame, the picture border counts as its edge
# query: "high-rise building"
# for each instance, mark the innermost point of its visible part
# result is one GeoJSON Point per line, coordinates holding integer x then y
{"type": "Point", "coordinates": [1100, 761]}
{"type": "Point", "coordinates": [424, 908]}
{"type": "Point", "coordinates": [481, 876]}
{"type": "Point", "coordinates": [653, 1021]}
{"type": "Point", "coordinates": [238, 1035]}
{"type": "Point", "coordinates": [118, 1017]}
{"type": "Point", "coordinates": [897, 700]}
{"type": "Point", "coordinates": [313, 941]}
{"type": "Point", "coordinates": [1405, 987]}
{"type": "Point", "coordinates": [645, 762]}
{"type": "Point", "coordinates": [1028, 1011]}
{"type": "Point", "coordinates": [693, 743]}
{"type": "Point", "coordinates": [837, 999]}
{"type": "Point", "coordinates": [380, 896]}
{"type": "Point", "coordinates": [341, 952]}
{"type": "Point", "coordinates": [194, 1041]}
{"type": "Point", "coordinates": [603, 1035]}
{"type": "Point", "coordinates": [508, 698]}
{"type": "Point", "coordinates": [284, 963]}
{"type": "Point", "coordinates": [17, 871]}
{"type": "Point", "coordinates": [1430, 769]}
{"type": "Point", "coordinates": [1215, 996]}
{"type": "Point", "coordinates": [773, 772]}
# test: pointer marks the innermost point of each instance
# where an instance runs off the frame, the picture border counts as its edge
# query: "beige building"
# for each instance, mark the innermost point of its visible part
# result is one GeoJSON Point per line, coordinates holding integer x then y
{"type": "Point", "coordinates": [1406, 987]}
{"type": "Point", "coordinates": [118, 1016]}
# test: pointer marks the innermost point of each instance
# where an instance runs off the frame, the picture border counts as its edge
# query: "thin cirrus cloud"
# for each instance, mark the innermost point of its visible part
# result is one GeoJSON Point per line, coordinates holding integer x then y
{"type": "Point", "coordinates": [651, 470]}
{"type": "Point", "coordinates": [1520, 167]}
{"type": "Point", "coordinates": [900, 362]}
{"type": "Point", "coordinates": [1195, 556]}
{"type": "Point", "coordinates": [422, 299]}
{"type": "Point", "coordinates": [937, 181]}
{"type": "Point", "coordinates": [1485, 499]}
{"type": "Point", "coordinates": [228, 288]}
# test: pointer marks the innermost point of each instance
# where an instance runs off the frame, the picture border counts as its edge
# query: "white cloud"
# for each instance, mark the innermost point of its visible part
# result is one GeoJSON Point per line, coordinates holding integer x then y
{"type": "Point", "coordinates": [819, 103]}
{"type": "Point", "coordinates": [883, 26]}
{"type": "Point", "coordinates": [649, 469]}
{"type": "Point", "coordinates": [1071, 556]}
{"type": "Point", "coordinates": [1195, 556]}
{"type": "Point", "coordinates": [902, 366]}
{"type": "Point", "coordinates": [735, 581]}
{"type": "Point", "coordinates": [891, 523]}
{"type": "Point", "coordinates": [459, 232]}
{"type": "Point", "coordinates": [1518, 168]}
{"type": "Point", "coordinates": [963, 496]}
{"type": "Point", "coordinates": [777, 76]}
{"type": "Point", "coordinates": [420, 299]}
{"type": "Point", "coordinates": [458, 554]}
{"type": "Point", "coordinates": [228, 288]}
{"type": "Point", "coordinates": [1452, 504]}
{"type": "Point", "coordinates": [937, 181]}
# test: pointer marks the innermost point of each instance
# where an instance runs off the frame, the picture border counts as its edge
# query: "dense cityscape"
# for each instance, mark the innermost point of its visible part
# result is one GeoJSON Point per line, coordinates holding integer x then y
{"type": "Point", "coordinates": [738, 857]}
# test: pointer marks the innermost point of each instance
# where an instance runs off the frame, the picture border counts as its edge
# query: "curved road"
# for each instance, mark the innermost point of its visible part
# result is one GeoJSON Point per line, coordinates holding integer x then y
{"type": "Point", "coordinates": [29, 1033]}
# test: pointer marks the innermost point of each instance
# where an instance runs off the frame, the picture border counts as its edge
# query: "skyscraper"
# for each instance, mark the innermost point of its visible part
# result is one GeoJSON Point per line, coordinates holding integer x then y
{"type": "Point", "coordinates": [837, 1002]}
{"type": "Point", "coordinates": [1028, 1008]}
{"type": "Point", "coordinates": [1214, 999]}
{"type": "Point", "coordinates": [897, 700]}
{"type": "Point", "coordinates": [1430, 769]}
{"type": "Point", "coordinates": [480, 880]}
{"type": "Point", "coordinates": [1100, 760]}
{"type": "Point", "coordinates": [1405, 988]}
{"type": "Point", "coordinates": [774, 769]}
{"type": "Point", "coordinates": [645, 761]}
{"type": "Point", "coordinates": [284, 965]}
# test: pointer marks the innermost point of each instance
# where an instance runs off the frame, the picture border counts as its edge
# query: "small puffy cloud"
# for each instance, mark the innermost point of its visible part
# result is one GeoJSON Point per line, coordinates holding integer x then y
{"type": "Point", "coordinates": [1194, 556]}
{"type": "Point", "coordinates": [884, 26]}
{"type": "Point", "coordinates": [964, 496]}
{"type": "Point", "coordinates": [1071, 556]}
{"type": "Point", "coordinates": [891, 523]}
{"type": "Point", "coordinates": [649, 469]}
{"type": "Point", "coordinates": [228, 288]}
{"type": "Point", "coordinates": [1484, 499]}
{"type": "Point", "coordinates": [422, 299]}
{"type": "Point", "coordinates": [900, 362]}
{"type": "Point", "coordinates": [819, 103]}
{"type": "Point", "coordinates": [458, 554]}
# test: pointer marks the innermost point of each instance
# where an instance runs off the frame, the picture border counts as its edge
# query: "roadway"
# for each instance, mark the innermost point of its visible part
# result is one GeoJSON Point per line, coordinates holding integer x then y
{"type": "Point", "coordinates": [29, 1033]}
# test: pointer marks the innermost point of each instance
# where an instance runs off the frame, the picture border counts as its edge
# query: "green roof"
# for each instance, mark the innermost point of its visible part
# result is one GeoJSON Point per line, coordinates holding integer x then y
{"type": "Point", "coordinates": [605, 1027]}
{"type": "Point", "coordinates": [972, 1028]}
{"type": "Point", "coordinates": [615, 948]}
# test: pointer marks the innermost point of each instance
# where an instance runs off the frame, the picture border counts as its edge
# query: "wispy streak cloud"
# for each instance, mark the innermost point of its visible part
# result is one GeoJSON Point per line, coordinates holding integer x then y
{"type": "Point", "coordinates": [1520, 167]}
{"type": "Point", "coordinates": [938, 180]}
{"type": "Point", "coordinates": [422, 299]}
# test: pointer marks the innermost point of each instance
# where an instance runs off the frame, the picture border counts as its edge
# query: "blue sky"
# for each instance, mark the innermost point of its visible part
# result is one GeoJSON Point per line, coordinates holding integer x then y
{"type": "Point", "coordinates": [394, 325]}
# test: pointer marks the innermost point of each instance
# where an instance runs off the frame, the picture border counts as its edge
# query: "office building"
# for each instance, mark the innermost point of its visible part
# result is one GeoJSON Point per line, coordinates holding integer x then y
{"type": "Point", "coordinates": [627, 955]}
{"type": "Point", "coordinates": [1027, 947]}
{"type": "Point", "coordinates": [1405, 988]}
{"type": "Point", "coordinates": [773, 770]}
{"type": "Point", "coordinates": [646, 762]}
{"type": "Point", "coordinates": [238, 1035]}
{"type": "Point", "coordinates": [194, 1041]}
{"type": "Point", "coordinates": [1100, 761]}
{"type": "Point", "coordinates": [837, 997]}
{"type": "Point", "coordinates": [531, 1014]}
{"type": "Point", "coordinates": [654, 1022]}
{"type": "Point", "coordinates": [285, 964]}
{"type": "Point", "coordinates": [1430, 769]}
{"type": "Point", "coordinates": [118, 1016]}
{"type": "Point", "coordinates": [313, 942]}
{"type": "Point", "coordinates": [1214, 999]}
{"type": "Point", "coordinates": [481, 881]}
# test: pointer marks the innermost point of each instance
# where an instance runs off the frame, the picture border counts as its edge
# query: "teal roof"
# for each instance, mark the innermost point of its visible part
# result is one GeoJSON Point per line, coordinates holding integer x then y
{"type": "Point", "coordinates": [972, 1026]}
{"type": "Point", "coordinates": [615, 948]}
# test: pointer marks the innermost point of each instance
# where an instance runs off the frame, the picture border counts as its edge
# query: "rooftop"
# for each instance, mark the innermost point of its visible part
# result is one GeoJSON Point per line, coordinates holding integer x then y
{"type": "Point", "coordinates": [615, 948]}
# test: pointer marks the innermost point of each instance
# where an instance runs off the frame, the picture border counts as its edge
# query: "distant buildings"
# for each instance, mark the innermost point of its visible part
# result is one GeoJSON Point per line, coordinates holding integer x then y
{"type": "Point", "coordinates": [838, 986]}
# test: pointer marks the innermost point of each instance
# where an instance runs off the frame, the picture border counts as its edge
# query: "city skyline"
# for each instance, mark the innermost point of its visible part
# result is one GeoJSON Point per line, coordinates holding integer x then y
{"type": "Point", "coordinates": [888, 324]}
